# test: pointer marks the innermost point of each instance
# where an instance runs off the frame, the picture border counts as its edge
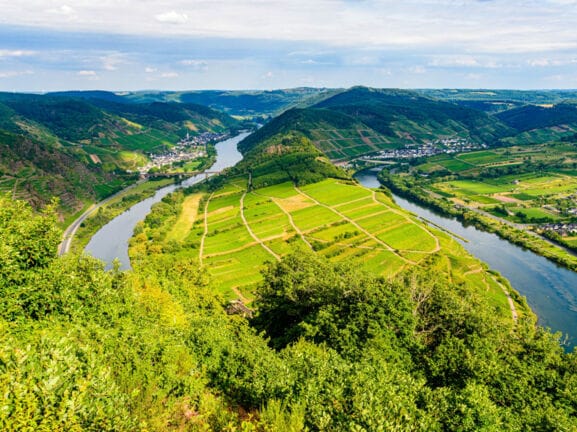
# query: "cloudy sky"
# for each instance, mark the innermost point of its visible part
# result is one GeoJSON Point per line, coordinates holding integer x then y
{"type": "Point", "coordinates": [48, 45]}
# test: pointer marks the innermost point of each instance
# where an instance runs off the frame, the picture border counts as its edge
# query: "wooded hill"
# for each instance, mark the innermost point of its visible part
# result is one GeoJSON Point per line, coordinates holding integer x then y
{"type": "Point", "coordinates": [363, 120]}
{"type": "Point", "coordinates": [244, 103]}
{"type": "Point", "coordinates": [80, 149]}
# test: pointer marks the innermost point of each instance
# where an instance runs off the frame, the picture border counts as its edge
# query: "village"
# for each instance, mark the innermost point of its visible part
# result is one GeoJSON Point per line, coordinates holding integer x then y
{"type": "Point", "coordinates": [429, 148]}
{"type": "Point", "coordinates": [189, 147]}
{"type": "Point", "coordinates": [563, 229]}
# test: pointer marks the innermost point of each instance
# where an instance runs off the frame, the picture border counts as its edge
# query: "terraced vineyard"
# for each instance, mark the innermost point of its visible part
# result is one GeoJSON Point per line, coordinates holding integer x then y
{"type": "Point", "coordinates": [235, 232]}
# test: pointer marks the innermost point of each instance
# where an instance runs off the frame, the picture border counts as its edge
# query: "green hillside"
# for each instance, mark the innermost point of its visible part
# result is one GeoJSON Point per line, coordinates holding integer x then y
{"type": "Point", "coordinates": [362, 120]}
{"type": "Point", "coordinates": [35, 171]}
{"type": "Point", "coordinates": [407, 116]}
{"type": "Point", "coordinates": [81, 149]}
{"type": "Point", "coordinates": [531, 117]}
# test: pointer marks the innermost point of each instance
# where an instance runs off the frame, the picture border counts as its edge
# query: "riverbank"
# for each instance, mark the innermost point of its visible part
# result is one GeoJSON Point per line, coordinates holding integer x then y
{"type": "Point", "coordinates": [548, 289]}
{"type": "Point", "coordinates": [111, 241]}
{"type": "Point", "coordinates": [78, 233]}
{"type": "Point", "coordinates": [506, 231]}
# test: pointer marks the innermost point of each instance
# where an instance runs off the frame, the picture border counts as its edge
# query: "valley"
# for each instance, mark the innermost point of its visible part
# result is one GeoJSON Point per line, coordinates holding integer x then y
{"type": "Point", "coordinates": [282, 294]}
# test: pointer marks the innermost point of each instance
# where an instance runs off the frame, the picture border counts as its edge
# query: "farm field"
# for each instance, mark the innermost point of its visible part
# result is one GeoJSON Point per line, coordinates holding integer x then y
{"type": "Point", "coordinates": [234, 233]}
{"type": "Point", "coordinates": [562, 155]}
{"type": "Point", "coordinates": [525, 197]}
{"type": "Point", "coordinates": [531, 184]}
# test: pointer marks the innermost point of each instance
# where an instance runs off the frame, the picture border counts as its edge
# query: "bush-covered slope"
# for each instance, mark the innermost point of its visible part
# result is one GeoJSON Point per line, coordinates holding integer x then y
{"type": "Point", "coordinates": [153, 350]}
{"type": "Point", "coordinates": [35, 171]}
{"type": "Point", "coordinates": [285, 157]}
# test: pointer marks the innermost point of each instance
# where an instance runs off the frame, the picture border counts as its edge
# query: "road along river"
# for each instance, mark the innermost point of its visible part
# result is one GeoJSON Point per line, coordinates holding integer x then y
{"type": "Point", "coordinates": [551, 291]}
{"type": "Point", "coordinates": [111, 241]}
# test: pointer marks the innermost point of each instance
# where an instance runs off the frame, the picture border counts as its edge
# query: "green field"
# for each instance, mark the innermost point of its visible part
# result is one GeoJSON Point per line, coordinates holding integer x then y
{"type": "Point", "coordinates": [533, 184]}
{"type": "Point", "coordinates": [234, 233]}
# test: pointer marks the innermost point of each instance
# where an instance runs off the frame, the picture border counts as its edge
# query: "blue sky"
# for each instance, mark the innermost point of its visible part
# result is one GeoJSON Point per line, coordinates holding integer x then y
{"type": "Point", "coordinates": [48, 45]}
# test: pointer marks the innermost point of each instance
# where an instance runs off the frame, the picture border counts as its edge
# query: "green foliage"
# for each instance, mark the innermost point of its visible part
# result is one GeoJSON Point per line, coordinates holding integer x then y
{"type": "Point", "coordinates": [27, 241]}
{"type": "Point", "coordinates": [154, 350]}
{"type": "Point", "coordinates": [290, 157]}
{"type": "Point", "coordinates": [306, 297]}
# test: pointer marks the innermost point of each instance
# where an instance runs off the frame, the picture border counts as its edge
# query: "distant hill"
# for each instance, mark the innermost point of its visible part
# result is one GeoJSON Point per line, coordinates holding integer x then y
{"type": "Point", "coordinates": [537, 124]}
{"type": "Point", "coordinates": [92, 95]}
{"type": "Point", "coordinates": [240, 103]}
{"type": "Point", "coordinates": [407, 115]}
{"type": "Point", "coordinates": [363, 120]}
{"type": "Point", "coordinates": [81, 147]}
{"type": "Point", "coordinates": [532, 117]}
{"type": "Point", "coordinates": [514, 97]}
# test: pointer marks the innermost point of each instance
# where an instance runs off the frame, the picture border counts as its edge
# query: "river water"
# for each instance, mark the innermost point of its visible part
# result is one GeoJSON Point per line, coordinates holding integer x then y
{"type": "Point", "coordinates": [551, 291]}
{"type": "Point", "coordinates": [111, 241]}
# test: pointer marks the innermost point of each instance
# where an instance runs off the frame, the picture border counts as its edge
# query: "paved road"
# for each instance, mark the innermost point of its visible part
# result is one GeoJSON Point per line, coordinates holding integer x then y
{"type": "Point", "coordinates": [69, 232]}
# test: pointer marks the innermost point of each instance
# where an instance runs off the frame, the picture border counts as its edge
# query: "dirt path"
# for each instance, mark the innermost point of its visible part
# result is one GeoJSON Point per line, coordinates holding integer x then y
{"type": "Point", "coordinates": [258, 240]}
{"type": "Point", "coordinates": [360, 228]}
{"type": "Point", "coordinates": [201, 249]}
{"type": "Point", "coordinates": [514, 313]}
{"type": "Point", "coordinates": [240, 296]}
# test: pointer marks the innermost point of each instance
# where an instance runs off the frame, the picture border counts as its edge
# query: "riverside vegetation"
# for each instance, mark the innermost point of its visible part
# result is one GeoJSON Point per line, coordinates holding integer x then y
{"type": "Point", "coordinates": [530, 187]}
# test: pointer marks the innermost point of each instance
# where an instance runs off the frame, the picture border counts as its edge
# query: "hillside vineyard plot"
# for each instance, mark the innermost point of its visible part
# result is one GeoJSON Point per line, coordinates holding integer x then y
{"type": "Point", "coordinates": [236, 232]}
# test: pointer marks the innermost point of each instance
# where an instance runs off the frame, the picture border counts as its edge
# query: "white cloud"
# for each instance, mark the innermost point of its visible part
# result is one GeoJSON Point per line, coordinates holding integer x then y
{"type": "Point", "coordinates": [463, 25]}
{"type": "Point", "coordinates": [172, 17]}
{"type": "Point", "coordinates": [12, 74]}
{"type": "Point", "coordinates": [169, 75]}
{"type": "Point", "coordinates": [198, 65]}
{"type": "Point", "coordinates": [87, 73]}
{"type": "Point", "coordinates": [551, 62]}
{"type": "Point", "coordinates": [149, 69]}
{"type": "Point", "coordinates": [418, 69]}
{"type": "Point", "coordinates": [464, 61]}
{"type": "Point", "coordinates": [110, 62]}
{"type": "Point", "coordinates": [65, 12]}
{"type": "Point", "coordinates": [15, 53]}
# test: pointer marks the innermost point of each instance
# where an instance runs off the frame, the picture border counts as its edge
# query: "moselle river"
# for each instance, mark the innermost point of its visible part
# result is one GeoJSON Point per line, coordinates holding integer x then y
{"type": "Point", "coordinates": [111, 241]}
{"type": "Point", "coordinates": [551, 291]}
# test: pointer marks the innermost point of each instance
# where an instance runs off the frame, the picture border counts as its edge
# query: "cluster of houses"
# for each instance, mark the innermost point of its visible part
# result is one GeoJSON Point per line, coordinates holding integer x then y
{"type": "Point", "coordinates": [429, 148]}
{"type": "Point", "coordinates": [563, 229]}
{"type": "Point", "coordinates": [189, 147]}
